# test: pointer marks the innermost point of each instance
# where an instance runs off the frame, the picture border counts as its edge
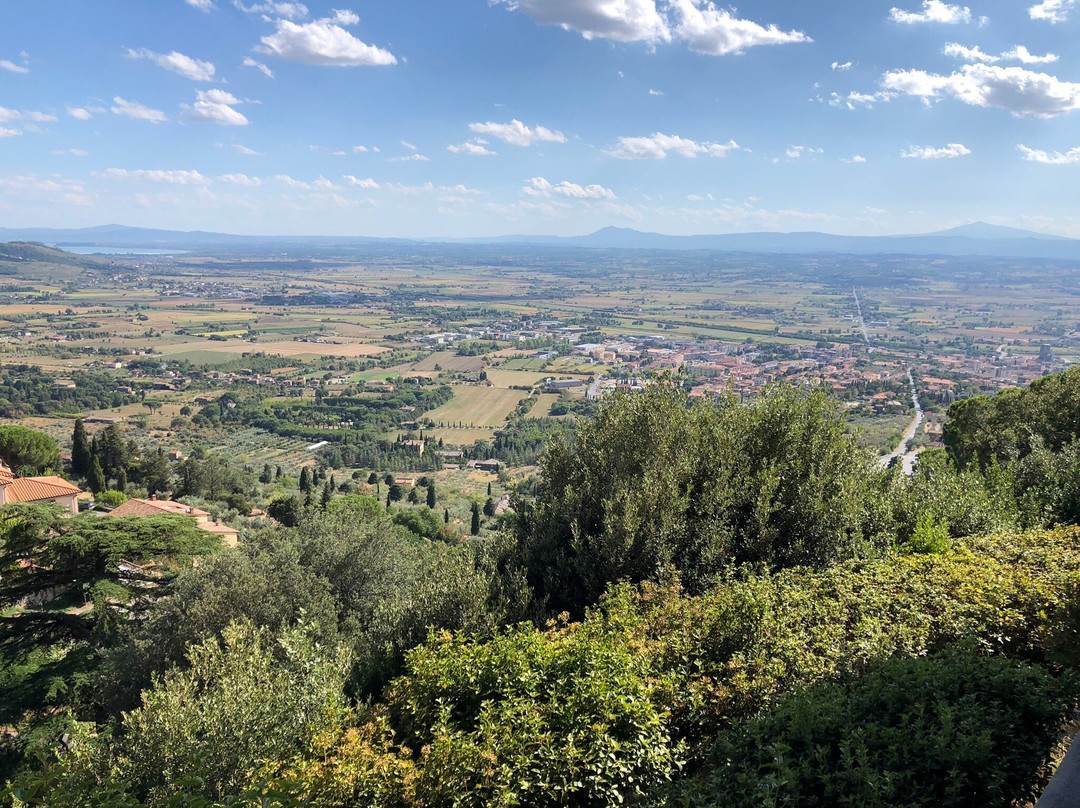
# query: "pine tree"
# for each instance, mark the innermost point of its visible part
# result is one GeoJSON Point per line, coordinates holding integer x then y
{"type": "Point", "coordinates": [475, 528]}
{"type": "Point", "coordinates": [278, 473]}
{"type": "Point", "coordinates": [95, 478]}
{"type": "Point", "coordinates": [489, 489]}
{"type": "Point", "coordinates": [327, 495]}
{"type": "Point", "coordinates": [373, 479]}
{"type": "Point", "coordinates": [80, 449]}
{"type": "Point", "coordinates": [414, 498]}
{"type": "Point", "coordinates": [121, 479]}
{"type": "Point", "coordinates": [267, 475]}
{"type": "Point", "coordinates": [431, 496]}
{"type": "Point", "coordinates": [489, 507]}
{"type": "Point", "coordinates": [305, 480]}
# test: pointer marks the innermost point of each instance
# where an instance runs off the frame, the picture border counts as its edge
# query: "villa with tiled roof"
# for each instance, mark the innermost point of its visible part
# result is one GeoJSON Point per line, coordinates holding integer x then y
{"type": "Point", "coordinates": [163, 507]}
{"type": "Point", "coordinates": [38, 491]}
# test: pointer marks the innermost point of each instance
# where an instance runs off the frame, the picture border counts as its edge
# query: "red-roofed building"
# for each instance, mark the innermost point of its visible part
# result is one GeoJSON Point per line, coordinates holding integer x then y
{"type": "Point", "coordinates": [164, 507]}
{"type": "Point", "coordinates": [38, 491]}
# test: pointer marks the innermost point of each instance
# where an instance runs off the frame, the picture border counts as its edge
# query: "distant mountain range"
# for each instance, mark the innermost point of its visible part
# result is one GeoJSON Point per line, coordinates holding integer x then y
{"type": "Point", "coordinates": [973, 239]}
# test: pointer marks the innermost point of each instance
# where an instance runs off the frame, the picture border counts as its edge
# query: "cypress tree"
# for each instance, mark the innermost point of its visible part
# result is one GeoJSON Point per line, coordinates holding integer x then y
{"type": "Point", "coordinates": [95, 477]}
{"type": "Point", "coordinates": [446, 516]}
{"type": "Point", "coordinates": [431, 496]}
{"type": "Point", "coordinates": [475, 528]}
{"type": "Point", "coordinates": [80, 449]}
{"type": "Point", "coordinates": [489, 507]}
{"type": "Point", "coordinates": [305, 480]}
{"type": "Point", "coordinates": [327, 495]}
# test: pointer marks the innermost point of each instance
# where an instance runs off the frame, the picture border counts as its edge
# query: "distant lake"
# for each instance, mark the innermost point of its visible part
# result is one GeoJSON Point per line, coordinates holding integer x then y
{"type": "Point", "coordinates": [80, 249]}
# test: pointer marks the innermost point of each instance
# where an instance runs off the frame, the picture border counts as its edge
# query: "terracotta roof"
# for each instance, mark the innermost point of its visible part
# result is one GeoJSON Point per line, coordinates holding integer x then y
{"type": "Point", "coordinates": [155, 507]}
{"type": "Point", "coordinates": [36, 489]}
{"type": "Point", "coordinates": [216, 527]}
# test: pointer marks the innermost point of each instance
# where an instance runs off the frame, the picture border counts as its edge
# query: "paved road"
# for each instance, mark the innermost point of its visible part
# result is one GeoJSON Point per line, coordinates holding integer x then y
{"type": "Point", "coordinates": [902, 451]}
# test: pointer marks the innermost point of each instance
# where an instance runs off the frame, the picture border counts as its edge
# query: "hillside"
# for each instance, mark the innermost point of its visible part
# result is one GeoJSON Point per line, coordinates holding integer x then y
{"type": "Point", "coordinates": [32, 261]}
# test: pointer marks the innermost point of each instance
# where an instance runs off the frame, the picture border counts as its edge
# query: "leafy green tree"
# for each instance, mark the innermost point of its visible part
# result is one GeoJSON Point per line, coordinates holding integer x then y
{"type": "Point", "coordinates": [112, 451]}
{"type": "Point", "coordinates": [395, 493]}
{"type": "Point", "coordinates": [414, 497]}
{"type": "Point", "coordinates": [657, 484]}
{"type": "Point", "coordinates": [243, 702]}
{"type": "Point", "coordinates": [373, 478]}
{"type": "Point", "coordinates": [267, 475]}
{"type": "Point", "coordinates": [154, 472]}
{"type": "Point", "coordinates": [26, 451]}
{"type": "Point", "coordinates": [80, 449]}
{"type": "Point", "coordinates": [420, 521]}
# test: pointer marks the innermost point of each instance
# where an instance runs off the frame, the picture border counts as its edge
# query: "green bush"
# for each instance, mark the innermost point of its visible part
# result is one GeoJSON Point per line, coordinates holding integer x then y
{"type": "Point", "coordinates": [948, 731]}
{"type": "Point", "coordinates": [111, 499]}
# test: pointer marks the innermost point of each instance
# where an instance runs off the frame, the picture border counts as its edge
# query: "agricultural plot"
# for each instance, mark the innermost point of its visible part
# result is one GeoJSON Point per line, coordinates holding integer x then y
{"type": "Point", "coordinates": [449, 360]}
{"type": "Point", "coordinates": [478, 406]}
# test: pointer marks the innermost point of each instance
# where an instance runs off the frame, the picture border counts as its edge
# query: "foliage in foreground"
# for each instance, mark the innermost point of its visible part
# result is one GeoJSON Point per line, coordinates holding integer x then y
{"type": "Point", "coordinates": [661, 697]}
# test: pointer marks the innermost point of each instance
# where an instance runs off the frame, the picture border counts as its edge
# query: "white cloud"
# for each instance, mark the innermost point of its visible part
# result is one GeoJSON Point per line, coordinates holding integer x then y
{"type": "Point", "coordinates": [8, 132]}
{"type": "Point", "coordinates": [360, 149]}
{"type": "Point", "coordinates": [176, 62]}
{"type": "Point", "coordinates": [948, 152]}
{"type": "Point", "coordinates": [39, 117]}
{"type": "Point", "coordinates": [658, 93]}
{"type": "Point", "coordinates": [80, 113]}
{"type": "Point", "coordinates": [136, 111]}
{"type": "Point", "coordinates": [9, 115]}
{"type": "Point", "coordinates": [216, 106]}
{"type": "Point", "coordinates": [357, 182]}
{"type": "Point", "coordinates": [409, 146]}
{"type": "Point", "coordinates": [291, 11]}
{"type": "Point", "coordinates": [247, 151]}
{"type": "Point", "coordinates": [71, 153]}
{"type": "Point", "coordinates": [1017, 54]}
{"type": "Point", "coordinates": [795, 152]}
{"type": "Point", "coordinates": [857, 99]}
{"type": "Point", "coordinates": [932, 11]}
{"type": "Point", "coordinates": [11, 67]}
{"type": "Point", "coordinates": [622, 20]}
{"type": "Point", "coordinates": [324, 42]}
{"type": "Point", "coordinates": [659, 145]}
{"type": "Point", "coordinates": [266, 71]}
{"type": "Point", "coordinates": [538, 186]}
{"type": "Point", "coordinates": [718, 32]}
{"type": "Point", "coordinates": [1021, 92]}
{"type": "Point", "coordinates": [518, 134]}
{"type": "Point", "coordinates": [202, 5]}
{"type": "Point", "coordinates": [844, 66]}
{"type": "Point", "coordinates": [857, 159]}
{"type": "Point", "coordinates": [240, 179]}
{"type": "Point", "coordinates": [1052, 11]}
{"type": "Point", "coordinates": [474, 148]}
{"type": "Point", "coordinates": [408, 158]}
{"type": "Point", "coordinates": [157, 175]}
{"type": "Point", "coordinates": [1023, 55]}
{"type": "Point", "coordinates": [1056, 158]}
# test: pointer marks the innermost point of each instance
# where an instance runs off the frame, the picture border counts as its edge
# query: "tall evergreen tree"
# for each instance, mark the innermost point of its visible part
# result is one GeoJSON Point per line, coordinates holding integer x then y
{"type": "Point", "coordinates": [446, 516]}
{"type": "Point", "coordinates": [305, 480]}
{"type": "Point", "coordinates": [80, 449]}
{"type": "Point", "coordinates": [327, 494]}
{"type": "Point", "coordinates": [475, 528]}
{"type": "Point", "coordinates": [95, 478]}
{"type": "Point", "coordinates": [431, 496]}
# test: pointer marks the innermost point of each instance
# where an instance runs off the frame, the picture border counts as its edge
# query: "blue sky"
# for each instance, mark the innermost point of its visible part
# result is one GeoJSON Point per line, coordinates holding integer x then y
{"type": "Point", "coordinates": [476, 117]}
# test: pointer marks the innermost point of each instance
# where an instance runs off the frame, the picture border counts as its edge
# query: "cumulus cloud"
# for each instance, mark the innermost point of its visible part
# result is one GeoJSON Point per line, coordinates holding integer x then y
{"type": "Point", "coordinates": [1017, 54]}
{"type": "Point", "coordinates": [409, 145]}
{"type": "Point", "coordinates": [27, 116]}
{"type": "Point", "coordinates": [659, 145]}
{"type": "Point", "coordinates": [357, 182]}
{"type": "Point", "coordinates": [857, 99]}
{"type": "Point", "coordinates": [11, 67]}
{"type": "Point", "coordinates": [409, 158]}
{"type": "Point", "coordinates": [80, 113]}
{"type": "Point", "coordinates": [240, 179]}
{"type": "Point", "coordinates": [285, 179]}
{"type": "Point", "coordinates": [176, 62]}
{"type": "Point", "coordinates": [365, 149]}
{"type": "Point", "coordinates": [795, 152]}
{"type": "Point", "coordinates": [136, 111]}
{"type": "Point", "coordinates": [156, 175]}
{"type": "Point", "coordinates": [538, 186]}
{"type": "Point", "coordinates": [9, 132]}
{"type": "Point", "coordinates": [71, 153]}
{"type": "Point", "coordinates": [518, 134]}
{"type": "Point", "coordinates": [216, 106]}
{"type": "Point", "coordinates": [623, 21]}
{"type": "Point", "coordinates": [291, 11]}
{"type": "Point", "coordinates": [857, 159]}
{"type": "Point", "coordinates": [324, 42]}
{"type": "Point", "coordinates": [932, 11]}
{"type": "Point", "coordinates": [718, 32]}
{"type": "Point", "coordinates": [1052, 11]}
{"type": "Point", "coordinates": [947, 152]}
{"type": "Point", "coordinates": [475, 148]}
{"type": "Point", "coordinates": [1022, 92]}
{"type": "Point", "coordinates": [266, 71]}
{"type": "Point", "coordinates": [1056, 158]}
{"type": "Point", "coordinates": [202, 5]}
{"type": "Point", "coordinates": [842, 66]}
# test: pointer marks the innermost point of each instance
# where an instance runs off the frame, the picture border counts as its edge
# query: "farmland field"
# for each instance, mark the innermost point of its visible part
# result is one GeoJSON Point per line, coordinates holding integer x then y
{"type": "Point", "coordinates": [478, 406]}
